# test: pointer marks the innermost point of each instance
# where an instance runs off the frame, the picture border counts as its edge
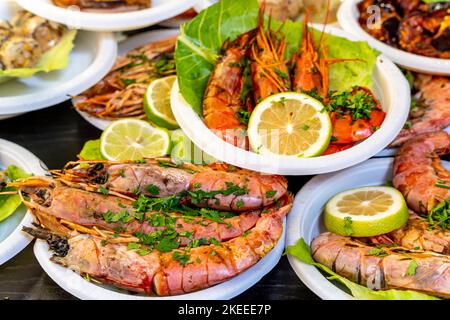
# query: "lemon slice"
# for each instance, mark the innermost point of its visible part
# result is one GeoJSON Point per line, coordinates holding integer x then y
{"type": "Point", "coordinates": [289, 124]}
{"type": "Point", "coordinates": [132, 139]}
{"type": "Point", "coordinates": [157, 103]}
{"type": "Point", "coordinates": [366, 212]}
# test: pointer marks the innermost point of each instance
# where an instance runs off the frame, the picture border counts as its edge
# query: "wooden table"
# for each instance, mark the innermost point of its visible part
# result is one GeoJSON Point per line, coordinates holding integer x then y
{"type": "Point", "coordinates": [56, 135]}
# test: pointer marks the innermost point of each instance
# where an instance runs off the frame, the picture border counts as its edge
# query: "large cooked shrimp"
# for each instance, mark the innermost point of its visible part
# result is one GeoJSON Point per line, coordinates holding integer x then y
{"type": "Point", "coordinates": [355, 261]}
{"type": "Point", "coordinates": [175, 272]}
{"type": "Point", "coordinates": [418, 173]}
{"type": "Point", "coordinates": [224, 98]}
{"type": "Point", "coordinates": [222, 187]}
{"type": "Point", "coordinates": [432, 112]}
{"type": "Point", "coordinates": [269, 72]}
{"type": "Point", "coordinates": [50, 198]}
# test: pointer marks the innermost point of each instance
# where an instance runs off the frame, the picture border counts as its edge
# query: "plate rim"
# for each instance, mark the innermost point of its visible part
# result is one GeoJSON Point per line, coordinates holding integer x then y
{"type": "Point", "coordinates": [124, 47]}
{"type": "Point", "coordinates": [100, 65]}
{"type": "Point", "coordinates": [348, 20]}
{"type": "Point", "coordinates": [123, 21]}
{"type": "Point", "coordinates": [16, 241]}
{"type": "Point", "coordinates": [82, 289]}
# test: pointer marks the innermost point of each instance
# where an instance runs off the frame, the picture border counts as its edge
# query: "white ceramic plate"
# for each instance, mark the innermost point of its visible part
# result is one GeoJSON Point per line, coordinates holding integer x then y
{"type": "Point", "coordinates": [91, 58]}
{"type": "Point", "coordinates": [125, 46]}
{"type": "Point", "coordinates": [80, 288]}
{"type": "Point", "coordinates": [390, 86]}
{"type": "Point", "coordinates": [348, 15]}
{"type": "Point", "coordinates": [160, 11]}
{"type": "Point", "coordinates": [389, 152]}
{"type": "Point", "coordinates": [12, 239]}
{"type": "Point", "coordinates": [305, 218]}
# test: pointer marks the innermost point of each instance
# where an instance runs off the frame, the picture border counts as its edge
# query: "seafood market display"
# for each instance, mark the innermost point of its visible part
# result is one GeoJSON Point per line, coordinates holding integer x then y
{"type": "Point", "coordinates": [155, 226]}
{"type": "Point", "coordinates": [120, 94]}
{"type": "Point", "coordinates": [419, 27]}
{"type": "Point", "coordinates": [105, 5]}
{"type": "Point", "coordinates": [25, 39]}
{"type": "Point", "coordinates": [430, 109]}
{"type": "Point", "coordinates": [254, 67]}
{"type": "Point", "coordinates": [413, 256]}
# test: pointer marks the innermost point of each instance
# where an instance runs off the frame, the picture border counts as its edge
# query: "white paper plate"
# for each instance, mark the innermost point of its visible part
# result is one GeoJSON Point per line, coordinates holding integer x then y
{"type": "Point", "coordinates": [80, 288]}
{"type": "Point", "coordinates": [348, 15]}
{"type": "Point", "coordinates": [305, 218]}
{"type": "Point", "coordinates": [389, 152]}
{"type": "Point", "coordinates": [125, 46]}
{"type": "Point", "coordinates": [12, 239]}
{"type": "Point", "coordinates": [160, 11]}
{"type": "Point", "coordinates": [91, 58]}
{"type": "Point", "coordinates": [390, 86]}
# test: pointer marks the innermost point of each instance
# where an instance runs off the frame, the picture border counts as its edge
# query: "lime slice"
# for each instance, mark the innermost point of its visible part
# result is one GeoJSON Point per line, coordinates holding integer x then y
{"type": "Point", "coordinates": [132, 139]}
{"type": "Point", "coordinates": [289, 124]}
{"type": "Point", "coordinates": [157, 103]}
{"type": "Point", "coordinates": [366, 212]}
{"type": "Point", "coordinates": [185, 150]}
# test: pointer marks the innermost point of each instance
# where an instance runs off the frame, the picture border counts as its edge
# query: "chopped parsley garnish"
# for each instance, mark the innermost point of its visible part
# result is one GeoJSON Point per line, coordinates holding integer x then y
{"type": "Point", "coordinates": [182, 258]}
{"type": "Point", "coordinates": [442, 184]}
{"type": "Point", "coordinates": [246, 233]}
{"type": "Point", "coordinates": [152, 189]}
{"type": "Point", "coordinates": [281, 74]}
{"type": "Point", "coordinates": [111, 217]}
{"type": "Point", "coordinates": [243, 116]}
{"type": "Point", "coordinates": [271, 193]}
{"type": "Point", "coordinates": [412, 267]}
{"type": "Point", "coordinates": [231, 188]}
{"type": "Point", "coordinates": [358, 103]}
{"type": "Point", "coordinates": [440, 215]}
{"type": "Point", "coordinates": [348, 228]}
{"type": "Point", "coordinates": [239, 204]}
{"type": "Point", "coordinates": [304, 127]}
{"type": "Point", "coordinates": [378, 252]}
{"type": "Point", "coordinates": [103, 190]}
{"type": "Point", "coordinates": [128, 82]}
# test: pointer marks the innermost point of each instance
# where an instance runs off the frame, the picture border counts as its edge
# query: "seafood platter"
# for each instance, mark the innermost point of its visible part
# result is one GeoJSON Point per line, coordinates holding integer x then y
{"type": "Point", "coordinates": [184, 194]}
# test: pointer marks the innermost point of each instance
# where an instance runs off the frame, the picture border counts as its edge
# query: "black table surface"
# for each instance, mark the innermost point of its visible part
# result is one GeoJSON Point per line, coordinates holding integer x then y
{"type": "Point", "coordinates": [56, 135]}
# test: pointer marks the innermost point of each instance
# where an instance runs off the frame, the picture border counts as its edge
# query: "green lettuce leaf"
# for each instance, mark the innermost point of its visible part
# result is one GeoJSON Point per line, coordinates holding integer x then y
{"type": "Point", "coordinates": [10, 202]}
{"type": "Point", "coordinates": [56, 58]}
{"type": "Point", "coordinates": [302, 252]}
{"type": "Point", "coordinates": [199, 44]}
{"type": "Point", "coordinates": [91, 151]}
{"type": "Point", "coordinates": [435, 1]}
{"type": "Point", "coordinates": [200, 40]}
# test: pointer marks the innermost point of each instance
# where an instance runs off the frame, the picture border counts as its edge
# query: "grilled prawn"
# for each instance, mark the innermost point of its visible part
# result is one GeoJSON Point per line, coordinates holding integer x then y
{"type": "Point", "coordinates": [220, 187]}
{"type": "Point", "coordinates": [223, 98]}
{"type": "Point", "coordinates": [418, 173]}
{"type": "Point", "coordinates": [171, 273]}
{"type": "Point", "coordinates": [355, 261]}
{"type": "Point", "coordinates": [432, 112]}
